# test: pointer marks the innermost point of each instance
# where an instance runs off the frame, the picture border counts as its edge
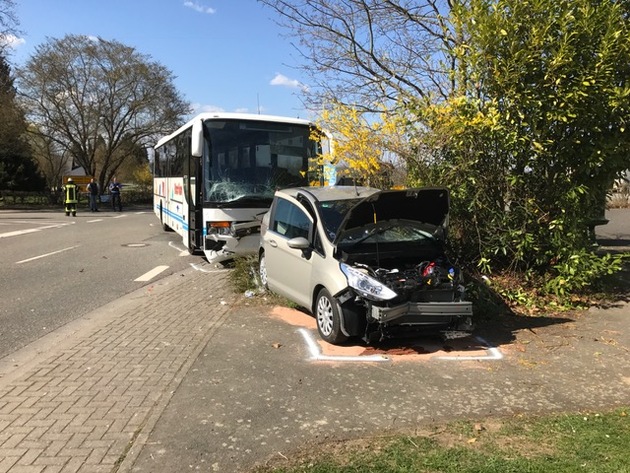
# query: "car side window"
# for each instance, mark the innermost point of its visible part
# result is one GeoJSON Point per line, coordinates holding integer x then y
{"type": "Point", "coordinates": [289, 220]}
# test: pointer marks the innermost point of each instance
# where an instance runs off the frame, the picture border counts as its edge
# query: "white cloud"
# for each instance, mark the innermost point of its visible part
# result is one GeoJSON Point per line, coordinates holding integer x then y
{"type": "Point", "coordinates": [284, 81]}
{"type": "Point", "coordinates": [11, 41]}
{"type": "Point", "coordinates": [199, 8]}
{"type": "Point", "coordinates": [198, 108]}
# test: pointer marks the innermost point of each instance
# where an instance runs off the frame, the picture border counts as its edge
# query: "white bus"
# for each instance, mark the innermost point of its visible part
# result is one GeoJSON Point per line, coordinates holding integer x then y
{"type": "Point", "coordinates": [214, 177]}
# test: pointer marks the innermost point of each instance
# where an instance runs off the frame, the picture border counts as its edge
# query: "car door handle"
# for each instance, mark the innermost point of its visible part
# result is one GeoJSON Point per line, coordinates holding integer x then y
{"type": "Point", "coordinates": [273, 243]}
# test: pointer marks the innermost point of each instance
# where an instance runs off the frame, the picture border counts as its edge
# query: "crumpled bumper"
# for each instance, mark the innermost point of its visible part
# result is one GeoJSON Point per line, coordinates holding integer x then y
{"type": "Point", "coordinates": [246, 240]}
{"type": "Point", "coordinates": [422, 313]}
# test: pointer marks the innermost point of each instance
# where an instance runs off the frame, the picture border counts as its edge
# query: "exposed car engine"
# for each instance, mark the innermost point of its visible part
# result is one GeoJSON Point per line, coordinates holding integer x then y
{"type": "Point", "coordinates": [427, 281]}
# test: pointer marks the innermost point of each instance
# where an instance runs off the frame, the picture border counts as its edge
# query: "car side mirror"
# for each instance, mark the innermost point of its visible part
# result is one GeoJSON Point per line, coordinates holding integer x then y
{"type": "Point", "coordinates": [299, 243]}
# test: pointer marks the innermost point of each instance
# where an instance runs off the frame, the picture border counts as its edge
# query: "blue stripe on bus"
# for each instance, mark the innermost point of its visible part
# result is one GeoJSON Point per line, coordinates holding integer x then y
{"type": "Point", "coordinates": [179, 218]}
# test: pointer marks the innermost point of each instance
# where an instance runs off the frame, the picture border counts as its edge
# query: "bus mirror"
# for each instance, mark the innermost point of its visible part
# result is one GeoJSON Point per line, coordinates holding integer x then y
{"type": "Point", "coordinates": [196, 145]}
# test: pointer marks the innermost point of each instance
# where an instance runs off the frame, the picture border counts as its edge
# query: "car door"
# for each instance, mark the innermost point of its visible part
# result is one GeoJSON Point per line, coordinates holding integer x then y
{"type": "Point", "coordinates": [288, 269]}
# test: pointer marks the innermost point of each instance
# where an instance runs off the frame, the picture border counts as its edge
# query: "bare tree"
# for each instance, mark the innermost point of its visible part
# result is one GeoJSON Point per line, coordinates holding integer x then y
{"type": "Point", "coordinates": [52, 160]}
{"type": "Point", "coordinates": [9, 23]}
{"type": "Point", "coordinates": [94, 98]}
{"type": "Point", "coordinates": [370, 52]}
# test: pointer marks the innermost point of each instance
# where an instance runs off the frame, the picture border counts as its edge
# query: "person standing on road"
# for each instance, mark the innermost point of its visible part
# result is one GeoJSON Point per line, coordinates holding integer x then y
{"type": "Point", "coordinates": [92, 189]}
{"type": "Point", "coordinates": [71, 197]}
{"type": "Point", "coordinates": [114, 190]}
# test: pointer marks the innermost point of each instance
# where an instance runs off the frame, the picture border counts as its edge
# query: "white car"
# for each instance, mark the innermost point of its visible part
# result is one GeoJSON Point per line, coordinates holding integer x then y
{"type": "Point", "coordinates": [366, 263]}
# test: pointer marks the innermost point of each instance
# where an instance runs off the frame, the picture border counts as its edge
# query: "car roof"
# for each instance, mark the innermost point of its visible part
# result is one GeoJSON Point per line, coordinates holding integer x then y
{"type": "Point", "coordinates": [327, 193]}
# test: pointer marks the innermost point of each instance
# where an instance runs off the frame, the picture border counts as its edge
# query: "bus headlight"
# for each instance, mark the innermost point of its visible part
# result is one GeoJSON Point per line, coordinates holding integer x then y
{"type": "Point", "coordinates": [220, 228]}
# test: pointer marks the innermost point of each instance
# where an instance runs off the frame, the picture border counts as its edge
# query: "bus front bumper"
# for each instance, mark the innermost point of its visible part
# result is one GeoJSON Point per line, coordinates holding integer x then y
{"type": "Point", "coordinates": [245, 241]}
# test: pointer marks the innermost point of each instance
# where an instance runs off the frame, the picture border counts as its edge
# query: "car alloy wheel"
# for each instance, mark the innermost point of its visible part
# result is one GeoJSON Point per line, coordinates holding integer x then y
{"type": "Point", "coordinates": [328, 318]}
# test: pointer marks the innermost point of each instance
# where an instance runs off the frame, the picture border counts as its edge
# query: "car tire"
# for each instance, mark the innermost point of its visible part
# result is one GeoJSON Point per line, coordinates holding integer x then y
{"type": "Point", "coordinates": [262, 270]}
{"type": "Point", "coordinates": [328, 316]}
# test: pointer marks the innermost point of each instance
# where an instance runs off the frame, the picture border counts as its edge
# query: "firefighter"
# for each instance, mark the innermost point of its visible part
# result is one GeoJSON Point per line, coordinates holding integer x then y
{"type": "Point", "coordinates": [71, 197]}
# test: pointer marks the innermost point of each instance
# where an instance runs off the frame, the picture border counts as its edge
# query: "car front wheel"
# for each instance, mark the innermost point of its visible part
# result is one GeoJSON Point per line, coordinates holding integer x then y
{"type": "Point", "coordinates": [328, 317]}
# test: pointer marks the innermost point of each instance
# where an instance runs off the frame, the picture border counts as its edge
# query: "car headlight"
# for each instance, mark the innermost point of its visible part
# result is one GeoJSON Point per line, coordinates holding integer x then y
{"type": "Point", "coordinates": [365, 285]}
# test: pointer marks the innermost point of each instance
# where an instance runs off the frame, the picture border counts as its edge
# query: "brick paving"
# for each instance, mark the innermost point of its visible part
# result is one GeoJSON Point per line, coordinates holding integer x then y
{"type": "Point", "coordinates": [84, 404]}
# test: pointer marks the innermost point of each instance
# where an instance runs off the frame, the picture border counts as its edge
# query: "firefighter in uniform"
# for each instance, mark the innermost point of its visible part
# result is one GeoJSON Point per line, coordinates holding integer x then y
{"type": "Point", "coordinates": [71, 197]}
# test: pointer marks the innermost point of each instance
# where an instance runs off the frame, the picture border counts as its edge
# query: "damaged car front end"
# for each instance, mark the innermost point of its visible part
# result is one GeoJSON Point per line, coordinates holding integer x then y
{"type": "Point", "coordinates": [381, 268]}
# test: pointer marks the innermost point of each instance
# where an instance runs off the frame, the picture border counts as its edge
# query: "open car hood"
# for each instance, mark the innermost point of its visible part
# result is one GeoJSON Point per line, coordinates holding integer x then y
{"type": "Point", "coordinates": [425, 205]}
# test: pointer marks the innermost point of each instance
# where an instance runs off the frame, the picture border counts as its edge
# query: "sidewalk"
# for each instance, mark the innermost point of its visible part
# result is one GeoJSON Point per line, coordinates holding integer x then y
{"type": "Point", "coordinates": [77, 400]}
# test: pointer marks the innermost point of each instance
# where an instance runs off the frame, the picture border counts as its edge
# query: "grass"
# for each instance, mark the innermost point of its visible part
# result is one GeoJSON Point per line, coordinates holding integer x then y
{"type": "Point", "coordinates": [585, 443]}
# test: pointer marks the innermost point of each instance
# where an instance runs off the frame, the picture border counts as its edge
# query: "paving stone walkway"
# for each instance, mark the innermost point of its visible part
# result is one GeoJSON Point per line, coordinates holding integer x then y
{"type": "Point", "coordinates": [83, 398]}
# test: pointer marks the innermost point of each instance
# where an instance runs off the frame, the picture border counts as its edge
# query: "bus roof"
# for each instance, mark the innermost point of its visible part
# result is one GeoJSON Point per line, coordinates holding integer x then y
{"type": "Point", "coordinates": [232, 116]}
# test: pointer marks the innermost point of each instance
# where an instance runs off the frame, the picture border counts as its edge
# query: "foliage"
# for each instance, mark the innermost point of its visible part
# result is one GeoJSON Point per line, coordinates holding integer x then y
{"type": "Point", "coordinates": [360, 144]}
{"type": "Point", "coordinates": [143, 177]}
{"type": "Point", "coordinates": [536, 140]}
{"type": "Point", "coordinates": [97, 101]}
{"type": "Point", "coordinates": [244, 276]}
{"type": "Point", "coordinates": [17, 170]}
{"type": "Point", "coordinates": [519, 107]}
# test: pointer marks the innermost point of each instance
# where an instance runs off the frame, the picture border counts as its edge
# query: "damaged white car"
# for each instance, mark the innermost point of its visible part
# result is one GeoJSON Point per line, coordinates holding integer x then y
{"type": "Point", "coordinates": [366, 263]}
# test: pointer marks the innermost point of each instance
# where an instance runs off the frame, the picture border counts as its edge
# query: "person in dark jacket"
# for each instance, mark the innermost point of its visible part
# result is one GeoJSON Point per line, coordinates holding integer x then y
{"type": "Point", "coordinates": [92, 189]}
{"type": "Point", "coordinates": [114, 190]}
{"type": "Point", "coordinates": [71, 197]}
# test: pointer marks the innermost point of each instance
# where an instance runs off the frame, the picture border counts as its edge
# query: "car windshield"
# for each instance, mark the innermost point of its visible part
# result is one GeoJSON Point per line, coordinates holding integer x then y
{"type": "Point", "coordinates": [389, 231]}
{"type": "Point", "coordinates": [332, 214]}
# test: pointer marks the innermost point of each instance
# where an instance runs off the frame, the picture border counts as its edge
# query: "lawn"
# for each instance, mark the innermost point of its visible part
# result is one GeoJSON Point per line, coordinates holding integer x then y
{"type": "Point", "coordinates": [586, 443]}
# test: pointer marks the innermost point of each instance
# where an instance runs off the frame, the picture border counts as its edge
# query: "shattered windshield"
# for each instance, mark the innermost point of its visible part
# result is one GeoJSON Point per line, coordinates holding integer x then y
{"type": "Point", "coordinates": [246, 161]}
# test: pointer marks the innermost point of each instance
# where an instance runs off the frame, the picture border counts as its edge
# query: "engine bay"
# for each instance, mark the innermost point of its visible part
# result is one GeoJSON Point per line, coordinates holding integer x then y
{"type": "Point", "coordinates": [430, 280]}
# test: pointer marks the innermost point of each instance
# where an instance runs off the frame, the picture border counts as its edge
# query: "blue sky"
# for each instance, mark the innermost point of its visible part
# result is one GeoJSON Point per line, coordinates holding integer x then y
{"type": "Point", "coordinates": [227, 55]}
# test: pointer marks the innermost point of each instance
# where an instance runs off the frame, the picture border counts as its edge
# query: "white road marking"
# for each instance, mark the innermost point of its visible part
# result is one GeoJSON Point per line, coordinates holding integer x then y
{"type": "Point", "coordinates": [31, 230]}
{"type": "Point", "coordinates": [181, 252]}
{"type": "Point", "coordinates": [47, 254]}
{"type": "Point", "coordinates": [95, 220]}
{"type": "Point", "coordinates": [151, 274]}
{"type": "Point", "coordinates": [120, 216]}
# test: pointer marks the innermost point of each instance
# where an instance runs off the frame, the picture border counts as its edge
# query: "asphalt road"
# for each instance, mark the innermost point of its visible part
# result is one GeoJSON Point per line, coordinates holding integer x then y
{"type": "Point", "coordinates": [56, 268]}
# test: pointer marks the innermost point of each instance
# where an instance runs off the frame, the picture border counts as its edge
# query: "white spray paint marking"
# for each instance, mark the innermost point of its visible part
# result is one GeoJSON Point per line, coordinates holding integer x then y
{"type": "Point", "coordinates": [317, 355]}
{"type": "Point", "coordinates": [493, 353]}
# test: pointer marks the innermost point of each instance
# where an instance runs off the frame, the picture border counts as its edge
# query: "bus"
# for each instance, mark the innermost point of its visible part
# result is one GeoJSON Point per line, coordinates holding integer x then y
{"type": "Point", "coordinates": [214, 177]}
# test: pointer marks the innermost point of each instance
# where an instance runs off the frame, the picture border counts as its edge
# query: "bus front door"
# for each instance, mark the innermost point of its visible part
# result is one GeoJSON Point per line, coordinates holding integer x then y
{"type": "Point", "coordinates": [195, 210]}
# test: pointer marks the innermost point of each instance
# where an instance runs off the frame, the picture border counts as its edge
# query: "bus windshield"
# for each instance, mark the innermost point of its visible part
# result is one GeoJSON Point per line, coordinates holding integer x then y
{"type": "Point", "coordinates": [247, 160]}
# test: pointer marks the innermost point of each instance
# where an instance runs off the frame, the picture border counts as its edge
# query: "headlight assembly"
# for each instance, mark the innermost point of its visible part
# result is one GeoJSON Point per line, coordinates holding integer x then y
{"type": "Point", "coordinates": [365, 285]}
